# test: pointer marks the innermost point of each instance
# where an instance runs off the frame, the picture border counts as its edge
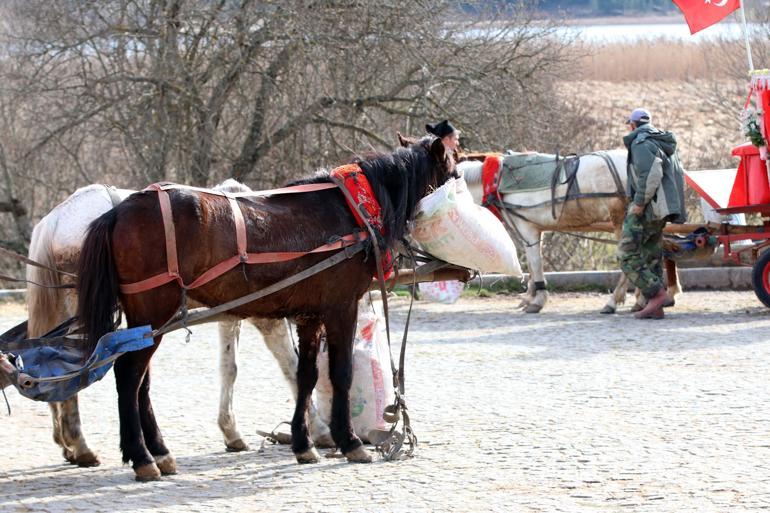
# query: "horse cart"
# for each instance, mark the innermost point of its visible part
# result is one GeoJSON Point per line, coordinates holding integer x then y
{"type": "Point", "coordinates": [741, 243]}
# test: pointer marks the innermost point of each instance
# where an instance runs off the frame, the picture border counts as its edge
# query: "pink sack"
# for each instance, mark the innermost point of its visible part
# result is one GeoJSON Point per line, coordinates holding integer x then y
{"type": "Point", "coordinates": [446, 292]}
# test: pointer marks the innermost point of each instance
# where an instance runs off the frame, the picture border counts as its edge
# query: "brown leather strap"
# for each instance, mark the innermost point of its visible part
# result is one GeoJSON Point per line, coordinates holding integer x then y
{"type": "Point", "coordinates": [224, 266]}
{"type": "Point", "coordinates": [242, 255]}
{"type": "Point", "coordinates": [292, 189]}
{"type": "Point", "coordinates": [26, 260]}
{"type": "Point", "coordinates": [240, 228]}
{"type": "Point", "coordinates": [170, 233]}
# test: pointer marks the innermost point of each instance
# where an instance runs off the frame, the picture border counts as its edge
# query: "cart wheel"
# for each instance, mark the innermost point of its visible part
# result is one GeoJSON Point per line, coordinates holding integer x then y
{"type": "Point", "coordinates": [760, 278]}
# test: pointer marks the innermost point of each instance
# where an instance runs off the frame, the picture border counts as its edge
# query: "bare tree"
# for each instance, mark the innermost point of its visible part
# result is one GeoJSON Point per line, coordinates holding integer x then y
{"type": "Point", "coordinates": [136, 91]}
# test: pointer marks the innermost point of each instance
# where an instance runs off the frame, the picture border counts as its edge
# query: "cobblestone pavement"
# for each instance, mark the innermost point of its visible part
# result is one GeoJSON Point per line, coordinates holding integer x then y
{"type": "Point", "coordinates": [568, 410]}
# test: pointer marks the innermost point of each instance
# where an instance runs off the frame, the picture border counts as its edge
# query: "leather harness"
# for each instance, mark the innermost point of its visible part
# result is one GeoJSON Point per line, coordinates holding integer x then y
{"type": "Point", "coordinates": [242, 256]}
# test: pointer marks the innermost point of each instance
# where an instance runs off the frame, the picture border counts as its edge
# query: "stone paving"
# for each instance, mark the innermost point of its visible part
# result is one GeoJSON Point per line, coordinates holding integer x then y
{"type": "Point", "coordinates": [568, 410]}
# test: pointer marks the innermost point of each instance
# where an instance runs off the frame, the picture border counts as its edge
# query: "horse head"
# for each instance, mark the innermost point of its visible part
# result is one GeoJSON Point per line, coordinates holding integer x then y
{"type": "Point", "coordinates": [406, 142]}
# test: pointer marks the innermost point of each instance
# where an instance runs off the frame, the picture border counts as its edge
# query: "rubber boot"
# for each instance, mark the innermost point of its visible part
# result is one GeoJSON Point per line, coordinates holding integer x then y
{"type": "Point", "coordinates": [654, 307]}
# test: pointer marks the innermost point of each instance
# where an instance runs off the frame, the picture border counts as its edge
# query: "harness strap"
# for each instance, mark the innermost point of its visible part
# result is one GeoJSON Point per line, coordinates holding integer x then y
{"type": "Point", "coordinates": [390, 446]}
{"type": "Point", "coordinates": [241, 256]}
{"type": "Point", "coordinates": [251, 258]}
{"type": "Point", "coordinates": [292, 189]}
{"type": "Point", "coordinates": [113, 194]}
{"type": "Point", "coordinates": [26, 260]}
{"type": "Point", "coordinates": [182, 320]}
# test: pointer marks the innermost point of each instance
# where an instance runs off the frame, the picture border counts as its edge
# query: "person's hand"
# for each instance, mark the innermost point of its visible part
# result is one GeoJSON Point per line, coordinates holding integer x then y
{"type": "Point", "coordinates": [637, 210]}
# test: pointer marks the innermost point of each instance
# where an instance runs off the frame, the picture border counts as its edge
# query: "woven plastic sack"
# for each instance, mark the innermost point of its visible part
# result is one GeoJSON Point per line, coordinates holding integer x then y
{"type": "Point", "coordinates": [451, 227]}
{"type": "Point", "coordinates": [446, 292]}
{"type": "Point", "coordinates": [372, 387]}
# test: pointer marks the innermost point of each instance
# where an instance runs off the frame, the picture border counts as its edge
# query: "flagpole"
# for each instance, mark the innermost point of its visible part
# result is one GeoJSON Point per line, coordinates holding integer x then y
{"type": "Point", "coordinates": [746, 36]}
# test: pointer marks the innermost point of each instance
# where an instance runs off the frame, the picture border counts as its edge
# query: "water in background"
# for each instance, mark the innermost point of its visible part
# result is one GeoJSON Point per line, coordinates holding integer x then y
{"type": "Point", "coordinates": [615, 33]}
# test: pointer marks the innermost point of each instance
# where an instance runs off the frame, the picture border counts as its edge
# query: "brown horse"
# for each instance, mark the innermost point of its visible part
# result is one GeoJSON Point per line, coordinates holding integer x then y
{"type": "Point", "coordinates": [127, 245]}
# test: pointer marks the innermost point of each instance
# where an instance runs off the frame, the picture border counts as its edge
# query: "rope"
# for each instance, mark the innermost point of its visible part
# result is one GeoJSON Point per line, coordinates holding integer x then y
{"type": "Point", "coordinates": [29, 261]}
{"type": "Point", "coordinates": [5, 277]}
{"type": "Point", "coordinates": [7, 404]}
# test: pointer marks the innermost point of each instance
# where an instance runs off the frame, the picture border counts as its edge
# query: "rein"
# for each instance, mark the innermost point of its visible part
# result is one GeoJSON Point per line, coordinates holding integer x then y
{"type": "Point", "coordinates": [114, 198]}
{"type": "Point", "coordinates": [390, 445]}
{"type": "Point", "coordinates": [29, 261]}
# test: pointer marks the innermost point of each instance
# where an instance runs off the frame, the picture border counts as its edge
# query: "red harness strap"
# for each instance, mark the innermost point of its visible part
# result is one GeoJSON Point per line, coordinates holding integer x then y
{"type": "Point", "coordinates": [355, 181]}
{"type": "Point", "coordinates": [490, 176]}
{"type": "Point", "coordinates": [242, 256]}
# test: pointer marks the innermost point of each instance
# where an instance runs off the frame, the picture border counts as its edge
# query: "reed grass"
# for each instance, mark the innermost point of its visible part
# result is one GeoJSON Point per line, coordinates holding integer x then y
{"type": "Point", "coordinates": [658, 59]}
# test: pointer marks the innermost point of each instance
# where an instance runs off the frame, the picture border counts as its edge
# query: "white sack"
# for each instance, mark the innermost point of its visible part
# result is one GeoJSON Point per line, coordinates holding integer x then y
{"type": "Point", "coordinates": [451, 227]}
{"type": "Point", "coordinates": [372, 387]}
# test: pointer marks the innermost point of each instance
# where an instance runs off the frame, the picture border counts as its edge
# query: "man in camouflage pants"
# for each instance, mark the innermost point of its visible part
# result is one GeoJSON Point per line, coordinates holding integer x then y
{"type": "Point", "coordinates": [656, 193]}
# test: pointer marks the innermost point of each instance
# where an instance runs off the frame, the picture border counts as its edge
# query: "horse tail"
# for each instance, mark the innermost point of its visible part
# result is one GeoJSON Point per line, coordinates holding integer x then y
{"type": "Point", "coordinates": [45, 304]}
{"type": "Point", "coordinates": [98, 280]}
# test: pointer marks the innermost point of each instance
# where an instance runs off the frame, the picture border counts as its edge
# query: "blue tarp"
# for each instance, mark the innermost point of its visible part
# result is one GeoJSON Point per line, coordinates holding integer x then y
{"type": "Point", "coordinates": [50, 359]}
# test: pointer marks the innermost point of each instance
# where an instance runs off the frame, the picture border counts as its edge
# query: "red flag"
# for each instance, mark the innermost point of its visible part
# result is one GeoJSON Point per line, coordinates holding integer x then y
{"type": "Point", "coordinates": [704, 13]}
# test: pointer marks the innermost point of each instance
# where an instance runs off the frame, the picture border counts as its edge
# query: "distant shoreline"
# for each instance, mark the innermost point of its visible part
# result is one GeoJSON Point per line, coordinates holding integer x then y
{"type": "Point", "coordinates": [672, 19]}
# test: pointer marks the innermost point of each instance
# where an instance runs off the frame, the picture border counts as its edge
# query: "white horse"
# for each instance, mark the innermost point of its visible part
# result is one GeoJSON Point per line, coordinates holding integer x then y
{"type": "Point", "coordinates": [56, 242]}
{"type": "Point", "coordinates": [601, 198]}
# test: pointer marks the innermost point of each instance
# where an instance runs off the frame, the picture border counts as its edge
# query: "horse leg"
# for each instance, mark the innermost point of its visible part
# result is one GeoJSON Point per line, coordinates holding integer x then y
{"type": "Point", "coordinates": [130, 370]}
{"type": "Point", "coordinates": [309, 332]}
{"type": "Point", "coordinates": [533, 242]}
{"type": "Point", "coordinates": [277, 339]}
{"type": "Point", "coordinates": [618, 296]}
{"type": "Point", "coordinates": [340, 331]}
{"type": "Point", "coordinates": [69, 435]}
{"type": "Point", "coordinates": [672, 279]}
{"type": "Point", "coordinates": [58, 437]}
{"type": "Point", "coordinates": [229, 333]}
{"type": "Point", "coordinates": [529, 295]}
{"type": "Point", "coordinates": [153, 440]}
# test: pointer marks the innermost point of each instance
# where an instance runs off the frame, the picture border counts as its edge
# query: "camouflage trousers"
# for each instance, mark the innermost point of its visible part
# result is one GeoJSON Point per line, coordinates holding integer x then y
{"type": "Point", "coordinates": [640, 251]}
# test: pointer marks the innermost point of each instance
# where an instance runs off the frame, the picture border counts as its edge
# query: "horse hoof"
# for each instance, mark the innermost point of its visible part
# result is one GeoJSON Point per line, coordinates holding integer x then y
{"type": "Point", "coordinates": [636, 308]}
{"type": "Point", "coordinates": [532, 308]}
{"type": "Point", "coordinates": [166, 464]}
{"type": "Point", "coordinates": [359, 455]}
{"type": "Point", "coordinates": [522, 304]}
{"type": "Point", "coordinates": [607, 310]}
{"type": "Point", "coordinates": [669, 302]}
{"type": "Point", "coordinates": [324, 441]}
{"type": "Point", "coordinates": [237, 446]}
{"type": "Point", "coordinates": [69, 456]}
{"type": "Point", "coordinates": [145, 473]}
{"type": "Point", "coordinates": [309, 456]}
{"type": "Point", "coordinates": [87, 459]}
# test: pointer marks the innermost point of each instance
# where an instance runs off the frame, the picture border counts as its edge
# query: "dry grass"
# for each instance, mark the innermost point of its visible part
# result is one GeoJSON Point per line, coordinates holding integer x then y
{"type": "Point", "coordinates": [649, 60]}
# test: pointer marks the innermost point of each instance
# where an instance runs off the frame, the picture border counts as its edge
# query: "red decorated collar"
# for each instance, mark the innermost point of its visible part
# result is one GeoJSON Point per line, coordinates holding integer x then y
{"type": "Point", "coordinates": [354, 180]}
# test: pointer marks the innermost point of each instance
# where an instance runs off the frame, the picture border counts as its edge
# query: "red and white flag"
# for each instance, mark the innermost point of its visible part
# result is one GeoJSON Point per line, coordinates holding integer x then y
{"type": "Point", "coordinates": [704, 13]}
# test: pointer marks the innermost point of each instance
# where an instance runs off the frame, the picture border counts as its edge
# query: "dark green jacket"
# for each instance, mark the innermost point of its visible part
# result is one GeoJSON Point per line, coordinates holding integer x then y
{"type": "Point", "coordinates": [655, 176]}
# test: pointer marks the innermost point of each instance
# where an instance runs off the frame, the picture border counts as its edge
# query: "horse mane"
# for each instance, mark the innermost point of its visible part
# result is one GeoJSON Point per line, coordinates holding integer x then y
{"type": "Point", "coordinates": [470, 170]}
{"type": "Point", "coordinates": [231, 185]}
{"type": "Point", "coordinates": [398, 180]}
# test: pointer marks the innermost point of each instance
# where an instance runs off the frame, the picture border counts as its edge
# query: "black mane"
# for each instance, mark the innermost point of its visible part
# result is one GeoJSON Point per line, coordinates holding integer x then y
{"type": "Point", "coordinates": [399, 180]}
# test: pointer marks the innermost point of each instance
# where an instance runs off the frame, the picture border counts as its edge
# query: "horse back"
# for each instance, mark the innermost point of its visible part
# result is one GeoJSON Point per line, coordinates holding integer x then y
{"type": "Point", "coordinates": [205, 234]}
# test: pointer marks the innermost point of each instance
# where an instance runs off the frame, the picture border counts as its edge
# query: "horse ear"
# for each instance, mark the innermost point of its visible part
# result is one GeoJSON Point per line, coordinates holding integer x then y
{"type": "Point", "coordinates": [437, 149]}
{"type": "Point", "coordinates": [401, 140]}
